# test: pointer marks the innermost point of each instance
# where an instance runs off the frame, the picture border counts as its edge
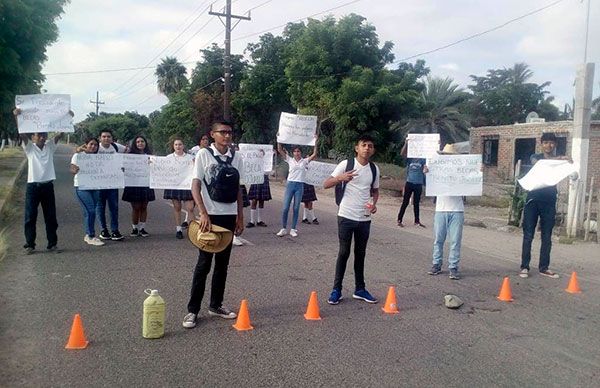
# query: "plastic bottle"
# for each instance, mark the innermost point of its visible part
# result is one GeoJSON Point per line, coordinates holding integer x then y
{"type": "Point", "coordinates": [153, 323]}
{"type": "Point", "coordinates": [368, 207]}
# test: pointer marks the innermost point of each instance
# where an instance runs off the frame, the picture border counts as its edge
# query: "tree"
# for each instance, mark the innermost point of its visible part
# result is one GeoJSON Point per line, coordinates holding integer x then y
{"type": "Point", "coordinates": [176, 119]}
{"type": "Point", "coordinates": [124, 126]}
{"type": "Point", "coordinates": [596, 109]}
{"type": "Point", "coordinates": [440, 102]}
{"type": "Point", "coordinates": [27, 27]}
{"type": "Point", "coordinates": [504, 96]}
{"type": "Point", "coordinates": [171, 76]}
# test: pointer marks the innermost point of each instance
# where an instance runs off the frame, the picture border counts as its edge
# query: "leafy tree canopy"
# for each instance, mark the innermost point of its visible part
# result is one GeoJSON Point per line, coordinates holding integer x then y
{"type": "Point", "coordinates": [171, 76]}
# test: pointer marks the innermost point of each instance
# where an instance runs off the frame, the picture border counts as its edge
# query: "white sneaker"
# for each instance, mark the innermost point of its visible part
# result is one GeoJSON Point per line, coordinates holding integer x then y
{"type": "Point", "coordinates": [282, 232]}
{"type": "Point", "coordinates": [293, 233]}
{"type": "Point", "coordinates": [524, 273]}
{"type": "Point", "coordinates": [237, 241]}
{"type": "Point", "coordinates": [93, 241]}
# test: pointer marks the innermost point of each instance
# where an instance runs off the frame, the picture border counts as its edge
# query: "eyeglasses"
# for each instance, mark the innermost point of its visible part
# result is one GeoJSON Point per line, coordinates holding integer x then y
{"type": "Point", "coordinates": [225, 133]}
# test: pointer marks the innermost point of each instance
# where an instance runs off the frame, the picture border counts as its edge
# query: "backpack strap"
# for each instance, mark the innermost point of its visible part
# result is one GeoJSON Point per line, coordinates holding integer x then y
{"type": "Point", "coordinates": [349, 167]}
{"type": "Point", "coordinates": [374, 172]}
{"type": "Point", "coordinates": [115, 147]}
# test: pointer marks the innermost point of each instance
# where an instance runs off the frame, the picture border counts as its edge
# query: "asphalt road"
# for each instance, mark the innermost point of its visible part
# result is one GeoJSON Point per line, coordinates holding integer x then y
{"type": "Point", "coordinates": [546, 337]}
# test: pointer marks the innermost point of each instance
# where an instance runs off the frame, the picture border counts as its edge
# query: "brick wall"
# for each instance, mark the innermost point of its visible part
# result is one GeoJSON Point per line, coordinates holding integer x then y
{"type": "Point", "coordinates": [507, 134]}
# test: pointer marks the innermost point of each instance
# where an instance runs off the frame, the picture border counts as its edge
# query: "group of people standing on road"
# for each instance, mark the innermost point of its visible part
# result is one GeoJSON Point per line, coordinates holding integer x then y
{"type": "Point", "coordinates": [356, 182]}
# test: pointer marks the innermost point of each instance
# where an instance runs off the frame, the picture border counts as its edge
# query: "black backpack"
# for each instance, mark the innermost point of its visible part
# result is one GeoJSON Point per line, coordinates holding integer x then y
{"type": "Point", "coordinates": [340, 188]}
{"type": "Point", "coordinates": [225, 182]}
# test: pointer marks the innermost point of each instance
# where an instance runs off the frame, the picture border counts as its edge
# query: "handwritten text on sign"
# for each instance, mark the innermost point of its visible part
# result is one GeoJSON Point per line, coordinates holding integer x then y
{"type": "Point", "coordinates": [297, 129]}
{"type": "Point", "coordinates": [137, 170]}
{"type": "Point", "coordinates": [254, 171]}
{"type": "Point", "coordinates": [44, 113]}
{"type": "Point", "coordinates": [423, 145]}
{"type": "Point", "coordinates": [267, 150]}
{"type": "Point", "coordinates": [171, 173]}
{"type": "Point", "coordinates": [456, 175]}
{"type": "Point", "coordinates": [318, 172]}
{"type": "Point", "coordinates": [100, 171]}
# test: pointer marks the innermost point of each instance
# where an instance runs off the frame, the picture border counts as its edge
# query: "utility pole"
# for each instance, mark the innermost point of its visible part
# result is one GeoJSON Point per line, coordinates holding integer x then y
{"type": "Point", "coordinates": [227, 58]}
{"type": "Point", "coordinates": [97, 102]}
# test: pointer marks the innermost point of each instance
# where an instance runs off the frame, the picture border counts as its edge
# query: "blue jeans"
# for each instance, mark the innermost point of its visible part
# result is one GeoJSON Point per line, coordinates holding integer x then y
{"type": "Point", "coordinates": [292, 190]}
{"type": "Point", "coordinates": [112, 197]}
{"type": "Point", "coordinates": [40, 194]}
{"type": "Point", "coordinates": [88, 199]}
{"type": "Point", "coordinates": [346, 230]}
{"type": "Point", "coordinates": [546, 212]}
{"type": "Point", "coordinates": [447, 224]}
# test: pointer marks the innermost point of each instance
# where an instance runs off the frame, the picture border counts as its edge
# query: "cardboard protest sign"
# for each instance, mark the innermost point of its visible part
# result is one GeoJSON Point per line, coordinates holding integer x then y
{"type": "Point", "coordinates": [137, 170]}
{"type": "Point", "coordinates": [100, 171]}
{"type": "Point", "coordinates": [297, 129]}
{"type": "Point", "coordinates": [44, 113]}
{"type": "Point", "coordinates": [318, 172]}
{"type": "Point", "coordinates": [546, 173]}
{"type": "Point", "coordinates": [171, 173]}
{"type": "Point", "coordinates": [267, 151]}
{"type": "Point", "coordinates": [458, 175]}
{"type": "Point", "coordinates": [254, 171]}
{"type": "Point", "coordinates": [422, 145]}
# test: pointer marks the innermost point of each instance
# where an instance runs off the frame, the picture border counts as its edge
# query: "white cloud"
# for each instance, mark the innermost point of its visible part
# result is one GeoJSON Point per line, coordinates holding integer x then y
{"type": "Point", "coordinates": [449, 66]}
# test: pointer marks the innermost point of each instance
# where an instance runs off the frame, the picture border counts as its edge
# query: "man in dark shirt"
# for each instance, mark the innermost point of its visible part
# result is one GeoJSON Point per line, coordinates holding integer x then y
{"type": "Point", "coordinates": [540, 203]}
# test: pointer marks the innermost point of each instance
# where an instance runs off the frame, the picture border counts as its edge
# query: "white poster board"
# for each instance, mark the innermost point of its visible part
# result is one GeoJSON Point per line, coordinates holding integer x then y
{"type": "Point", "coordinates": [297, 129]}
{"type": "Point", "coordinates": [44, 113]}
{"type": "Point", "coordinates": [318, 172]}
{"type": "Point", "coordinates": [422, 145]}
{"type": "Point", "coordinates": [268, 153]}
{"type": "Point", "coordinates": [137, 170]}
{"type": "Point", "coordinates": [171, 173]}
{"type": "Point", "coordinates": [254, 170]}
{"type": "Point", "coordinates": [100, 171]}
{"type": "Point", "coordinates": [546, 173]}
{"type": "Point", "coordinates": [458, 175]}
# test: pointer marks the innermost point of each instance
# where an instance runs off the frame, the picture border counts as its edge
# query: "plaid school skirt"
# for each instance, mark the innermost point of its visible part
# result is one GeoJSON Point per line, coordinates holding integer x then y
{"type": "Point", "coordinates": [138, 194]}
{"type": "Point", "coordinates": [261, 192]}
{"type": "Point", "coordinates": [309, 195]}
{"type": "Point", "coordinates": [180, 195]}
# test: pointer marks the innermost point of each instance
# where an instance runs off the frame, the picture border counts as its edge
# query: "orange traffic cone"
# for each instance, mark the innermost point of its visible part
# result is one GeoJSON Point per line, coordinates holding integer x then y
{"type": "Point", "coordinates": [505, 291]}
{"type": "Point", "coordinates": [312, 311]}
{"type": "Point", "coordinates": [391, 307]}
{"type": "Point", "coordinates": [77, 338]}
{"type": "Point", "coordinates": [243, 319]}
{"type": "Point", "coordinates": [573, 287]}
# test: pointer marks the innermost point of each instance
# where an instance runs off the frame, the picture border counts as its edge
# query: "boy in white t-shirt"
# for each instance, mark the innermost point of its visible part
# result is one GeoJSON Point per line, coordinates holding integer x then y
{"type": "Point", "coordinates": [359, 201]}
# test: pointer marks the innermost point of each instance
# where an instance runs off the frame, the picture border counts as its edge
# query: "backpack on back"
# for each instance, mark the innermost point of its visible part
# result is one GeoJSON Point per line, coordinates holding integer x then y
{"type": "Point", "coordinates": [225, 183]}
{"type": "Point", "coordinates": [340, 188]}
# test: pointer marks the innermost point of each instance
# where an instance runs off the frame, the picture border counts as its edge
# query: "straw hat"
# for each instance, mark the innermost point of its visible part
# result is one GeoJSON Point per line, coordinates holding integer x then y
{"type": "Point", "coordinates": [214, 241]}
{"type": "Point", "coordinates": [451, 149]}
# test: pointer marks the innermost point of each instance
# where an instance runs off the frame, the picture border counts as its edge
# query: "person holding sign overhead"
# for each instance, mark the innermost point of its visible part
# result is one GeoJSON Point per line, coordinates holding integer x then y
{"type": "Point", "coordinates": [294, 186]}
{"type": "Point", "coordinates": [139, 196]}
{"type": "Point", "coordinates": [179, 196]}
{"type": "Point", "coordinates": [40, 186]}
{"type": "Point", "coordinates": [415, 179]}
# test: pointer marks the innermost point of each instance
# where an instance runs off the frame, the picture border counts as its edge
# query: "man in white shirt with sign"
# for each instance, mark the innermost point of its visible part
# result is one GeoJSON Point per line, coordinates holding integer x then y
{"type": "Point", "coordinates": [359, 201]}
{"type": "Point", "coordinates": [40, 187]}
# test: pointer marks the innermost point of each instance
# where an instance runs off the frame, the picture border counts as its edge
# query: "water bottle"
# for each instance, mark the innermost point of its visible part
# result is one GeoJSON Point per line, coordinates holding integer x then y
{"type": "Point", "coordinates": [153, 323]}
{"type": "Point", "coordinates": [368, 207]}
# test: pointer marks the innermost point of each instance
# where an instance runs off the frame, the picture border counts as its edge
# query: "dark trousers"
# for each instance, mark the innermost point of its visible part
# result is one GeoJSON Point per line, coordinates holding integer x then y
{"type": "Point", "coordinates": [219, 273]}
{"type": "Point", "coordinates": [112, 197]}
{"type": "Point", "coordinates": [346, 230]}
{"type": "Point", "coordinates": [36, 194]}
{"type": "Point", "coordinates": [546, 212]}
{"type": "Point", "coordinates": [410, 189]}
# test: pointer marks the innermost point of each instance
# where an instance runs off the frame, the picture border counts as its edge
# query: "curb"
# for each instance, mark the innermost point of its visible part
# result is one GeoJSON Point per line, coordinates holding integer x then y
{"type": "Point", "coordinates": [10, 194]}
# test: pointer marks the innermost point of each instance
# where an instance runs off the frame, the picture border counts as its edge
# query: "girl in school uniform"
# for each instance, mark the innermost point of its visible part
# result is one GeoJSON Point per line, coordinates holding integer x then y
{"type": "Point", "coordinates": [308, 197]}
{"type": "Point", "coordinates": [180, 196]}
{"type": "Point", "coordinates": [139, 197]}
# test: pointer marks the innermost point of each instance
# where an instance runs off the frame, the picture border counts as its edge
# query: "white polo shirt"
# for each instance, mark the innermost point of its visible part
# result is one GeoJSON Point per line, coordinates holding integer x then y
{"type": "Point", "coordinates": [358, 190]}
{"type": "Point", "coordinates": [40, 162]}
{"type": "Point", "coordinates": [204, 167]}
{"type": "Point", "coordinates": [110, 149]}
{"type": "Point", "coordinates": [297, 171]}
{"type": "Point", "coordinates": [447, 203]}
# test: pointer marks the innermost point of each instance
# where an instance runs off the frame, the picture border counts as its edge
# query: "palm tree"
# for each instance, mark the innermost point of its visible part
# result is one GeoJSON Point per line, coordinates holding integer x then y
{"type": "Point", "coordinates": [171, 76]}
{"type": "Point", "coordinates": [441, 100]}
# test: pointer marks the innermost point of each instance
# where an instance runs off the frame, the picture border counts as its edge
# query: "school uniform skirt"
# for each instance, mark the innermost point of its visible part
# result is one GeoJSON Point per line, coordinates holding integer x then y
{"type": "Point", "coordinates": [138, 194]}
{"type": "Point", "coordinates": [309, 195]}
{"type": "Point", "coordinates": [180, 195]}
{"type": "Point", "coordinates": [260, 192]}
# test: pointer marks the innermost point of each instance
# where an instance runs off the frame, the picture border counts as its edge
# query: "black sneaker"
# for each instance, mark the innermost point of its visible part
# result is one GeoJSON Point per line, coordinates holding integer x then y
{"type": "Point", "coordinates": [222, 312]}
{"type": "Point", "coordinates": [261, 223]}
{"type": "Point", "coordinates": [104, 235]}
{"type": "Point", "coordinates": [250, 225]}
{"type": "Point", "coordinates": [53, 249]}
{"type": "Point", "coordinates": [435, 270]}
{"type": "Point", "coordinates": [116, 236]}
{"type": "Point", "coordinates": [305, 221]}
{"type": "Point", "coordinates": [454, 275]}
{"type": "Point", "coordinates": [179, 235]}
{"type": "Point", "coordinates": [143, 233]}
{"type": "Point", "coordinates": [189, 321]}
{"type": "Point", "coordinates": [29, 250]}
{"type": "Point", "coordinates": [134, 233]}
{"type": "Point", "coordinates": [315, 221]}
{"type": "Point", "coordinates": [184, 225]}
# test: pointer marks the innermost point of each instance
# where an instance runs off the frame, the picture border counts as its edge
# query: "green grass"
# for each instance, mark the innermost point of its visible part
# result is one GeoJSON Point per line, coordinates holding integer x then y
{"type": "Point", "coordinates": [3, 244]}
{"type": "Point", "coordinates": [11, 152]}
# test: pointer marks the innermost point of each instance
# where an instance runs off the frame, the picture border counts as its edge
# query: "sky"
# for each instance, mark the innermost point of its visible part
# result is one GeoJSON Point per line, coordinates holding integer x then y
{"type": "Point", "coordinates": [124, 34]}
